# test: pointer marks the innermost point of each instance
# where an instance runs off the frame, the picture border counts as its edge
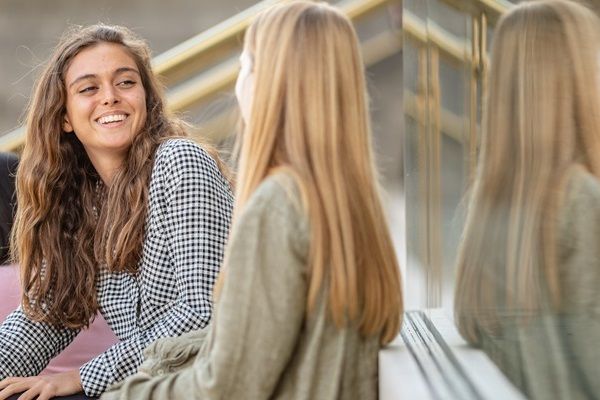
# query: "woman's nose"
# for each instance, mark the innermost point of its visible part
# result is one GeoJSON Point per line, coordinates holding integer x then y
{"type": "Point", "coordinates": [110, 97]}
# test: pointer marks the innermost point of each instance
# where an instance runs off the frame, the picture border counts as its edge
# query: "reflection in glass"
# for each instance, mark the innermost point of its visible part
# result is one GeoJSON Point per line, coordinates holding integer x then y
{"type": "Point", "coordinates": [439, 79]}
{"type": "Point", "coordinates": [529, 262]}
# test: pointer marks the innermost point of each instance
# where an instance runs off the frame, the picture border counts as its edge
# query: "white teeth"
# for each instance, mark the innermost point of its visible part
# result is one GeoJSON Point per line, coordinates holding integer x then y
{"type": "Point", "coordinates": [112, 118]}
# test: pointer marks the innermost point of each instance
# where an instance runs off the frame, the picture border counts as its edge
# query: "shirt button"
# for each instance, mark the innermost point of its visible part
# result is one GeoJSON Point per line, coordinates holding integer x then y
{"type": "Point", "coordinates": [160, 372]}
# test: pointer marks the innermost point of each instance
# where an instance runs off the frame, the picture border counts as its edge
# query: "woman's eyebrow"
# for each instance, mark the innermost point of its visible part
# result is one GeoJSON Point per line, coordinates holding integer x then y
{"type": "Point", "coordinates": [126, 69]}
{"type": "Point", "coordinates": [82, 77]}
{"type": "Point", "coordinates": [117, 71]}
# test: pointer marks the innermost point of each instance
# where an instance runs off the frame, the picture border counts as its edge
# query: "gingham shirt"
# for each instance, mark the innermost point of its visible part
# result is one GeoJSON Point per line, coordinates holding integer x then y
{"type": "Point", "coordinates": [189, 213]}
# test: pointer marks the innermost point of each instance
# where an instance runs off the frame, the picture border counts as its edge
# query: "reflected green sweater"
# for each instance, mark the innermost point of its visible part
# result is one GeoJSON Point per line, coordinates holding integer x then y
{"type": "Point", "coordinates": [557, 356]}
{"type": "Point", "coordinates": [260, 344]}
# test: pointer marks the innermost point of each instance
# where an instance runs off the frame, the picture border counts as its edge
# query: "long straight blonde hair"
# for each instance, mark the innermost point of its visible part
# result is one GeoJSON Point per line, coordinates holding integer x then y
{"type": "Point", "coordinates": [309, 114]}
{"type": "Point", "coordinates": [541, 119]}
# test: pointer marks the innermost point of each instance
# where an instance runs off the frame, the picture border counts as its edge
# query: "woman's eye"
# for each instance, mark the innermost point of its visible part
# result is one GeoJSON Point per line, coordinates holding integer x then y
{"type": "Point", "coordinates": [87, 89]}
{"type": "Point", "coordinates": [127, 83]}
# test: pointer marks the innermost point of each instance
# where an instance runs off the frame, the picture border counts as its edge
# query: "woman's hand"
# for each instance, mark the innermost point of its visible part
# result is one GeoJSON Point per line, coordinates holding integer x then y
{"type": "Point", "coordinates": [42, 387]}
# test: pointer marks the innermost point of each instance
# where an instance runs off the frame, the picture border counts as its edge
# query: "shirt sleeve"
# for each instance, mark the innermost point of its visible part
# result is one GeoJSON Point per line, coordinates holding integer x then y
{"type": "Point", "coordinates": [27, 346]}
{"type": "Point", "coordinates": [195, 210]}
{"type": "Point", "coordinates": [259, 314]}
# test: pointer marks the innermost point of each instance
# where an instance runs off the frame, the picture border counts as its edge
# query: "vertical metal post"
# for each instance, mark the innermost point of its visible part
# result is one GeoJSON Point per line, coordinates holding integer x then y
{"type": "Point", "coordinates": [422, 103]}
{"type": "Point", "coordinates": [474, 101]}
{"type": "Point", "coordinates": [484, 59]}
{"type": "Point", "coordinates": [434, 204]}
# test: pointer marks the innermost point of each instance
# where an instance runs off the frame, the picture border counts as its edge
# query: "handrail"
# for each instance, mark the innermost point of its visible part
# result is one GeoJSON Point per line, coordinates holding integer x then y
{"type": "Point", "coordinates": [212, 82]}
{"type": "Point", "coordinates": [493, 8]}
{"type": "Point", "coordinates": [450, 46]}
{"type": "Point", "coordinates": [198, 51]}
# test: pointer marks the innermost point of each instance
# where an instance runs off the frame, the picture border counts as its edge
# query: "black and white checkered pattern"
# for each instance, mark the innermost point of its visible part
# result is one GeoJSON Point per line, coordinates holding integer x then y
{"type": "Point", "coordinates": [190, 205]}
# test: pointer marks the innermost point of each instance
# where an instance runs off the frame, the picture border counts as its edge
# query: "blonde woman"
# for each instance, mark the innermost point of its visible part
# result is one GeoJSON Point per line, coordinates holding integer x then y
{"type": "Point", "coordinates": [529, 262]}
{"type": "Point", "coordinates": [310, 287]}
{"type": "Point", "coordinates": [117, 214]}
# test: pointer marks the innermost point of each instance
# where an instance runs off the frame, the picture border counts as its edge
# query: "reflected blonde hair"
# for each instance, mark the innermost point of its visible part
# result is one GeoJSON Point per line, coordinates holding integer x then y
{"type": "Point", "coordinates": [541, 119]}
{"type": "Point", "coordinates": [309, 115]}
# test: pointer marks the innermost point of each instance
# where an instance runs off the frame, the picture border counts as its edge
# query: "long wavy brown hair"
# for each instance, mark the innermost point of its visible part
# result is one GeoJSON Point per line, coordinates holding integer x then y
{"type": "Point", "coordinates": [310, 115]}
{"type": "Point", "coordinates": [68, 223]}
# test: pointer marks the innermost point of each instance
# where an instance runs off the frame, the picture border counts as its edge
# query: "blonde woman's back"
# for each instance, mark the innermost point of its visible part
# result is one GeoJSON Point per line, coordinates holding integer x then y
{"type": "Point", "coordinates": [327, 362]}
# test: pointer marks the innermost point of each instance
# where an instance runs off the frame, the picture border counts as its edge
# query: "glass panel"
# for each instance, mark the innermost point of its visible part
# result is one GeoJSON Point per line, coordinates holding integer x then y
{"type": "Point", "coordinates": [532, 262]}
{"type": "Point", "coordinates": [438, 109]}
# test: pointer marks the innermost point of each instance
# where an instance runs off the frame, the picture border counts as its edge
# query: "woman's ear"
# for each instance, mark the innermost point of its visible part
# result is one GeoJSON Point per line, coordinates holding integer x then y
{"type": "Point", "coordinates": [67, 125]}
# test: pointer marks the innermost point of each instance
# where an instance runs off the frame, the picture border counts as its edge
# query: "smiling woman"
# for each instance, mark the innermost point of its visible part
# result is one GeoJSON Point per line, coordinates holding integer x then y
{"type": "Point", "coordinates": [118, 214]}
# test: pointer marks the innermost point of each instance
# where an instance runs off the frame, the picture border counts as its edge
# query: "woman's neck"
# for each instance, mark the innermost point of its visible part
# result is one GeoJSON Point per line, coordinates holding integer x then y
{"type": "Point", "coordinates": [107, 167]}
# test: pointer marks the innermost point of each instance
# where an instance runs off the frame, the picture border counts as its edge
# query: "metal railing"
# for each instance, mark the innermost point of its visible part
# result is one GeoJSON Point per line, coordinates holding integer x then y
{"type": "Point", "coordinates": [452, 49]}
{"type": "Point", "coordinates": [432, 122]}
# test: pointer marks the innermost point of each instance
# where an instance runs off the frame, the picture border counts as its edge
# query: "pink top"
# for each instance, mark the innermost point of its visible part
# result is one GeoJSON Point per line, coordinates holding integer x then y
{"type": "Point", "coordinates": [87, 345]}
